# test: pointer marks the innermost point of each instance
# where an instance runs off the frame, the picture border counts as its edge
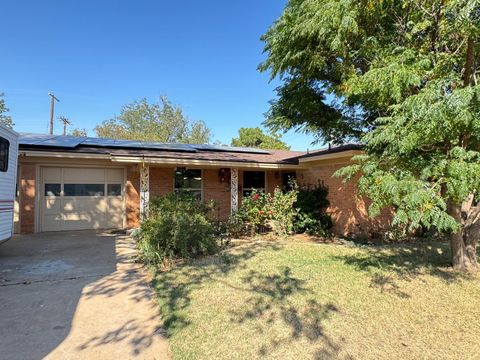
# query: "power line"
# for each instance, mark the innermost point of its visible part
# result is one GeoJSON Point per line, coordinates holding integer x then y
{"type": "Point", "coordinates": [65, 123]}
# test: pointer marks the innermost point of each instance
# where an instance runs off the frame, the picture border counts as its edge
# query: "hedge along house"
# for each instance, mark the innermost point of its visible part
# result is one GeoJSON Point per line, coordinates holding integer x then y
{"type": "Point", "coordinates": [77, 183]}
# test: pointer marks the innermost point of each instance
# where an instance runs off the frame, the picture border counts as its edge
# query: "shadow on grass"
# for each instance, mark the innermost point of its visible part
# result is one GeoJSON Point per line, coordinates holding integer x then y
{"type": "Point", "coordinates": [272, 302]}
{"type": "Point", "coordinates": [174, 288]}
{"type": "Point", "coordinates": [275, 301]}
{"type": "Point", "coordinates": [403, 261]}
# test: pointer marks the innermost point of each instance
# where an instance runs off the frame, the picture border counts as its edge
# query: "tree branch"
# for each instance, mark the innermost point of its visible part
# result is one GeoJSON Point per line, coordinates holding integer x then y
{"type": "Point", "coordinates": [467, 74]}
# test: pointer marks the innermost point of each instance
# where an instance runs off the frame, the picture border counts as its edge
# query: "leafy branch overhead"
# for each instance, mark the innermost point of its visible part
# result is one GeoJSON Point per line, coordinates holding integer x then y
{"type": "Point", "coordinates": [160, 121]}
{"type": "Point", "coordinates": [402, 78]}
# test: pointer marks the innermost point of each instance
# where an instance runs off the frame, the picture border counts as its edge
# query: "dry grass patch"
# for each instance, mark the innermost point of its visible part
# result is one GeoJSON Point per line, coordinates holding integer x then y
{"type": "Point", "coordinates": [318, 301]}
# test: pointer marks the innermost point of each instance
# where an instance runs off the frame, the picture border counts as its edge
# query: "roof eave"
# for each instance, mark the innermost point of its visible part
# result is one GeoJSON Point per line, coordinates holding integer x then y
{"type": "Point", "coordinates": [346, 154]}
{"type": "Point", "coordinates": [160, 160]}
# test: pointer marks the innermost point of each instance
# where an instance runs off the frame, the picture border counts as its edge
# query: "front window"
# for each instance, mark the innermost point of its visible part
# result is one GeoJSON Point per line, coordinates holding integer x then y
{"type": "Point", "coordinates": [189, 180]}
{"type": "Point", "coordinates": [253, 180]}
{"type": "Point", "coordinates": [4, 149]}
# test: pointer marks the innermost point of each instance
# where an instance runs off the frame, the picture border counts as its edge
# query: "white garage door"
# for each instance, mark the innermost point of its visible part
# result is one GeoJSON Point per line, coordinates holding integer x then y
{"type": "Point", "coordinates": [81, 198]}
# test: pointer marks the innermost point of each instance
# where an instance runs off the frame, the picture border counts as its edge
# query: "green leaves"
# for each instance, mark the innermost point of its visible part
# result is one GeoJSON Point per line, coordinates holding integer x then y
{"type": "Point", "coordinates": [402, 77]}
{"type": "Point", "coordinates": [5, 120]}
{"type": "Point", "coordinates": [256, 138]}
{"type": "Point", "coordinates": [161, 121]}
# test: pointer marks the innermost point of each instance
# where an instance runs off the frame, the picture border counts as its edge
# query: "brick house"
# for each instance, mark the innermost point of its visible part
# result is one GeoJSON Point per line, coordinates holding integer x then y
{"type": "Point", "coordinates": [74, 183]}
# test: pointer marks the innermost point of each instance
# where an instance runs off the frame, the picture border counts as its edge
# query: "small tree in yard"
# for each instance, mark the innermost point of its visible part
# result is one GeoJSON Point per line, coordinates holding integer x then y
{"type": "Point", "coordinates": [5, 120]}
{"type": "Point", "coordinates": [401, 76]}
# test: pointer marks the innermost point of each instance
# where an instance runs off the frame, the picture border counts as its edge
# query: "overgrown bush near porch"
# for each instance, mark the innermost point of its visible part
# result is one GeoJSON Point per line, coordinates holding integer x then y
{"type": "Point", "coordinates": [178, 226]}
{"type": "Point", "coordinates": [311, 216]}
{"type": "Point", "coordinates": [299, 210]}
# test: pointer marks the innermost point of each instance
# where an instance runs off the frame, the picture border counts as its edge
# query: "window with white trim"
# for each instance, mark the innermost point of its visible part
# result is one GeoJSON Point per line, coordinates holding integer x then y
{"type": "Point", "coordinates": [253, 180]}
{"type": "Point", "coordinates": [189, 180]}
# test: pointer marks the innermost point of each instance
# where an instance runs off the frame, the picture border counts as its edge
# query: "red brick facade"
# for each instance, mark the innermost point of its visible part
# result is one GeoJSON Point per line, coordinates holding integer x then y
{"type": "Point", "coordinates": [132, 197]}
{"type": "Point", "coordinates": [214, 189]}
{"type": "Point", "coordinates": [161, 181]}
{"type": "Point", "coordinates": [349, 211]}
{"type": "Point", "coordinates": [28, 177]}
{"type": "Point", "coordinates": [274, 180]}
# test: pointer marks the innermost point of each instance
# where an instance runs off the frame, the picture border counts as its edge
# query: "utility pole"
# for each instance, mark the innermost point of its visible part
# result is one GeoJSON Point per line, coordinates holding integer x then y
{"type": "Point", "coordinates": [65, 123]}
{"type": "Point", "coordinates": [52, 110]}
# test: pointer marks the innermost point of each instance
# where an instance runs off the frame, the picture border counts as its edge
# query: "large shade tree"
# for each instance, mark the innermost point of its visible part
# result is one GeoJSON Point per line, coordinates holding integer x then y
{"type": "Point", "coordinates": [401, 76]}
{"type": "Point", "coordinates": [257, 138]}
{"type": "Point", "coordinates": [160, 121]}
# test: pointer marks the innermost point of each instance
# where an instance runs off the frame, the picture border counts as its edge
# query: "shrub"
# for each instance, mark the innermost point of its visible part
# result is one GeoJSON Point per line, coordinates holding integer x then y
{"type": "Point", "coordinates": [282, 210]}
{"type": "Point", "coordinates": [254, 209]}
{"type": "Point", "coordinates": [301, 209]}
{"type": "Point", "coordinates": [178, 226]}
{"type": "Point", "coordinates": [311, 216]}
{"type": "Point", "coordinates": [261, 211]}
{"type": "Point", "coordinates": [237, 226]}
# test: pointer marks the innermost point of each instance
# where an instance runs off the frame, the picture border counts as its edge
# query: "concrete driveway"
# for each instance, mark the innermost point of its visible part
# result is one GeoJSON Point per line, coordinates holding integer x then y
{"type": "Point", "coordinates": [76, 295]}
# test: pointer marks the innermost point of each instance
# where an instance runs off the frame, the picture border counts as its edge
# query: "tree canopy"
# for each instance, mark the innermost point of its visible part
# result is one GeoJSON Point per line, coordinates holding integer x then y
{"type": "Point", "coordinates": [78, 132]}
{"type": "Point", "coordinates": [402, 77]}
{"type": "Point", "coordinates": [5, 120]}
{"type": "Point", "coordinates": [255, 137]}
{"type": "Point", "coordinates": [160, 121]}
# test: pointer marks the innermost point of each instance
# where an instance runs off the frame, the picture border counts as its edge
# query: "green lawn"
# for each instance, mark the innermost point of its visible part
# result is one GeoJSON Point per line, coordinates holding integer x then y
{"type": "Point", "coordinates": [320, 301]}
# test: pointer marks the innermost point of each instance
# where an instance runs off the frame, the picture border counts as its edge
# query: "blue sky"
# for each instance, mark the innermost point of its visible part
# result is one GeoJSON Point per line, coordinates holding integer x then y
{"type": "Point", "coordinates": [99, 55]}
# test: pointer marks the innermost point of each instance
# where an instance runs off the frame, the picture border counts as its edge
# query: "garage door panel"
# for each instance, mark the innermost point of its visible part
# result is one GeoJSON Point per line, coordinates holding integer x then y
{"type": "Point", "coordinates": [52, 222]}
{"type": "Point", "coordinates": [83, 175]}
{"type": "Point", "coordinates": [78, 204]}
{"type": "Point", "coordinates": [81, 222]}
{"type": "Point", "coordinates": [52, 175]}
{"type": "Point", "coordinates": [114, 213]}
{"type": "Point", "coordinates": [115, 175]}
{"type": "Point", "coordinates": [52, 205]}
{"type": "Point", "coordinates": [62, 212]}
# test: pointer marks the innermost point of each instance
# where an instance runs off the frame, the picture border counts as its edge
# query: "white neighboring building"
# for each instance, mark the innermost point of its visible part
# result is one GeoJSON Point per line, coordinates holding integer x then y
{"type": "Point", "coordinates": [8, 180]}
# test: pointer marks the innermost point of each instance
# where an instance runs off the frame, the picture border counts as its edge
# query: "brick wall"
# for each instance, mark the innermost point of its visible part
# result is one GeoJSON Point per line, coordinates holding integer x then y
{"type": "Point", "coordinates": [132, 197]}
{"type": "Point", "coordinates": [274, 180]}
{"type": "Point", "coordinates": [161, 181]}
{"type": "Point", "coordinates": [213, 189]}
{"type": "Point", "coordinates": [347, 208]}
{"type": "Point", "coordinates": [26, 199]}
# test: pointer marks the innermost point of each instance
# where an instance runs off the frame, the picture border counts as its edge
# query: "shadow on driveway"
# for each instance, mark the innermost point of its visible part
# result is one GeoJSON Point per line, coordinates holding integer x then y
{"type": "Point", "coordinates": [76, 295]}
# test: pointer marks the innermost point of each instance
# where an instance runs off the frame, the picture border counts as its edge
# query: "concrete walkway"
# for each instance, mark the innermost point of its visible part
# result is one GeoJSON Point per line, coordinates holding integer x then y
{"type": "Point", "coordinates": [76, 295]}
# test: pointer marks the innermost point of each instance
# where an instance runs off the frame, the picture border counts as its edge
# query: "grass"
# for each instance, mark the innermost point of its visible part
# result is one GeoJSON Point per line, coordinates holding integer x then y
{"type": "Point", "coordinates": [318, 301]}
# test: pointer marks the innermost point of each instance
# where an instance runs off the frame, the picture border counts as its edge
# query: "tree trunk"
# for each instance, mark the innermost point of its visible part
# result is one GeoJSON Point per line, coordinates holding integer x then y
{"type": "Point", "coordinates": [463, 243]}
{"type": "Point", "coordinates": [472, 233]}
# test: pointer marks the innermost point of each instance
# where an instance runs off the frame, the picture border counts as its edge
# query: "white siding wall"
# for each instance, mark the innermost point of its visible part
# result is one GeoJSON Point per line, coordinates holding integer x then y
{"type": "Point", "coordinates": [7, 185]}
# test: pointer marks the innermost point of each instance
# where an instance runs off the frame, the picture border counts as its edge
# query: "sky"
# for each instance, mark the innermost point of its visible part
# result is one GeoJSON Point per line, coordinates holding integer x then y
{"type": "Point", "coordinates": [99, 55]}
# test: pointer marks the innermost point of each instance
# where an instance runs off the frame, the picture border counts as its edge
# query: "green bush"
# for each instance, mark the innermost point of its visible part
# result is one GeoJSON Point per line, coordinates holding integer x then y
{"type": "Point", "coordinates": [255, 209]}
{"type": "Point", "coordinates": [178, 226]}
{"type": "Point", "coordinates": [282, 210]}
{"type": "Point", "coordinates": [311, 204]}
{"type": "Point", "coordinates": [261, 211]}
{"type": "Point", "coordinates": [301, 209]}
